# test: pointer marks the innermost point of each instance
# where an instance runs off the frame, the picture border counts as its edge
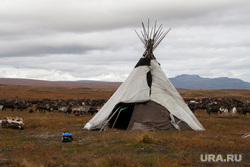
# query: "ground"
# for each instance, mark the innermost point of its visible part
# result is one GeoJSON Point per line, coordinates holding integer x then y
{"type": "Point", "coordinates": [40, 144]}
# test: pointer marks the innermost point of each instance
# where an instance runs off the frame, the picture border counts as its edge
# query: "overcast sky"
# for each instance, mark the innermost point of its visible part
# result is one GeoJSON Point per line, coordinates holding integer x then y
{"type": "Point", "coordinates": [95, 39]}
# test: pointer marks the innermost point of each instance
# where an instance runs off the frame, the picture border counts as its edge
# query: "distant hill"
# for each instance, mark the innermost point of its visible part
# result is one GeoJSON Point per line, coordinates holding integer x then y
{"type": "Point", "coordinates": [70, 84]}
{"type": "Point", "coordinates": [182, 82]}
{"type": "Point", "coordinates": [196, 82]}
{"type": "Point", "coordinates": [83, 81]}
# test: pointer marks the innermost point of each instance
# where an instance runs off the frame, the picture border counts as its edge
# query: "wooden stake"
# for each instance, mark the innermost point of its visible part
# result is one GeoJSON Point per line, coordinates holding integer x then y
{"type": "Point", "coordinates": [109, 119]}
{"type": "Point", "coordinates": [116, 119]}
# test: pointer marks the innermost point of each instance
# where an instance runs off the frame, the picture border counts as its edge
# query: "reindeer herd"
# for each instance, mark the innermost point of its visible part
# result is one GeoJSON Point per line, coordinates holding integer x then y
{"type": "Point", "coordinates": [75, 106]}
{"type": "Point", "coordinates": [87, 106]}
{"type": "Point", "coordinates": [219, 105]}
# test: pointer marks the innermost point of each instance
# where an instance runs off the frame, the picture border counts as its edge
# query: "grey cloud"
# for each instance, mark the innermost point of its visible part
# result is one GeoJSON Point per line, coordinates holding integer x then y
{"type": "Point", "coordinates": [45, 50]}
{"type": "Point", "coordinates": [101, 15]}
{"type": "Point", "coordinates": [70, 40]}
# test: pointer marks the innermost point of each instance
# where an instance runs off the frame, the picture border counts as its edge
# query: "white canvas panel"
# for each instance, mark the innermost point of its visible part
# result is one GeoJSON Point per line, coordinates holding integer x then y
{"type": "Point", "coordinates": [164, 93]}
{"type": "Point", "coordinates": [133, 90]}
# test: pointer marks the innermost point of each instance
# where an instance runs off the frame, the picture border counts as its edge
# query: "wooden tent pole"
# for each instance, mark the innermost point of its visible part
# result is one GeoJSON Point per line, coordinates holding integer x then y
{"type": "Point", "coordinates": [116, 119]}
{"type": "Point", "coordinates": [109, 118]}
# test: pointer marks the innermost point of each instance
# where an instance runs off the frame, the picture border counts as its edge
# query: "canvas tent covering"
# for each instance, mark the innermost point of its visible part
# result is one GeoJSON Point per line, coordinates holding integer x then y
{"type": "Point", "coordinates": [146, 99]}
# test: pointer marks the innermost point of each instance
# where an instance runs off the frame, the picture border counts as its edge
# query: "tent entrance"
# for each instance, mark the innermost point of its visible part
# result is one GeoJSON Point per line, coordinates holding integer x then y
{"type": "Point", "coordinates": [121, 118]}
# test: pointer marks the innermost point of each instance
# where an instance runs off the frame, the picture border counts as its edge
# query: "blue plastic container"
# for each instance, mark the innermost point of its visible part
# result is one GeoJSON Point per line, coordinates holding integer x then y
{"type": "Point", "coordinates": [67, 137]}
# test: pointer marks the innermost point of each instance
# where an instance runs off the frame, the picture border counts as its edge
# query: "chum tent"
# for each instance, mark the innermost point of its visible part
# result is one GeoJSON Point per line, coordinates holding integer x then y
{"type": "Point", "coordinates": [146, 99]}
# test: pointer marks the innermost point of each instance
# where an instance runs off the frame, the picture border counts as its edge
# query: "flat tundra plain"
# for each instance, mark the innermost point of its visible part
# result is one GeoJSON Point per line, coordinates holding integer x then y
{"type": "Point", "coordinates": [40, 143]}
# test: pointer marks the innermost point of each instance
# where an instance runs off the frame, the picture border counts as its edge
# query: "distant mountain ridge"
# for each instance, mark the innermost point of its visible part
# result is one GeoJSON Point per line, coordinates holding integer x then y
{"type": "Point", "coordinates": [183, 81]}
{"type": "Point", "coordinates": [59, 84]}
{"type": "Point", "coordinates": [186, 81]}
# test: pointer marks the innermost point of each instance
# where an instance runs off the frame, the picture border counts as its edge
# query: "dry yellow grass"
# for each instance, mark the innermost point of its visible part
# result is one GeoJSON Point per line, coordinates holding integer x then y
{"type": "Point", "coordinates": [34, 92]}
{"type": "Point", "coordinates": [39, 144]}
{"type": "Point", "coordinates": [212, 93]}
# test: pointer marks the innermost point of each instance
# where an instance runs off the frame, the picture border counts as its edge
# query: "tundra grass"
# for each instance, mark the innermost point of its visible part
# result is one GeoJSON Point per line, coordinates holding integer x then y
{"type": "Point", "coordinates": [39, 144]}
{"type": "Point", "coordinates": [36, 92]}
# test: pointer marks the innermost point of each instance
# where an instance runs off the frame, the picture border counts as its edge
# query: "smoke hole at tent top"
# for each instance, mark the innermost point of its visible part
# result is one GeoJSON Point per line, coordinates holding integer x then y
{"type": "Point", "coordinates": [122, 117]}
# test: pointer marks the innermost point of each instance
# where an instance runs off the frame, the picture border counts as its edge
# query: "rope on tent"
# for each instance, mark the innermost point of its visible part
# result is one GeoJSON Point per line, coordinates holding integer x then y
{"type": "Point", "coordinates": [176, 126]}
{"type": "Point", "coordinates": [109, 119]}
{"type": "Point", "coordinates": [118, 116]}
